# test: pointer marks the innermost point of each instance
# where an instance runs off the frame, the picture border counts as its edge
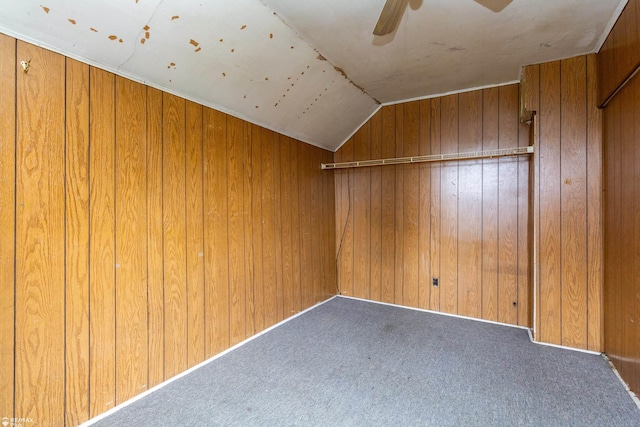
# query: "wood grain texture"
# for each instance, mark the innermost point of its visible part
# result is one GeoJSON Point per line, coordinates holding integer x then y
{"type": "Point", "coordinates": [8, 72]}
{"type": "Point", "coordinates": [40, 220]}
{"type": "Point", "coordinates": [508, 208]}
{"type": "Point", "coordinates": [574, 202]}
{"type": "Point", "coordinates": [490, 205]}
{"type": "Point", "coordinates": [435, 210]}
{"type": "Point", "coordinates": [387, 287]}
{"type": "Point", "coordinates": [345, 240]}
{"type": "Point", "coordinates": [174, 222]}
{"type": "Point", "coordinates": [195, 233]}
{"type": "Point", "coordinates": [77, 243]}
{"type": "Point", "coordinates": [277, 200]}
{"type": "Point", "coordinates": [285, 215]}
{"type": "Point", "coordinates": [102, 242]}
{"type": "Point", "coordinates": [235, 193]}
{"type": "Point", "coordinates": [376, 209]}
{"type": "Point", "coordinates": [249, 182]}
{"type": "Point", "coordinates": [256, 228]}
{"type": "Point", "coordinates": [399, 206]}
{"type": "Point", "coordinates": [131, 241]}
{"type": "Point", "coordinates": [155, 236]}
{"type": "Point", "coordinates": [362, 215]}
{"type": "Point", "coordinates": [549, 279]}
{"type": "Point", "coordinates": [424, 221]}
{"type": "Point", "coordinates": [411, 206]}
{"type": "Point", "coordinates": [216, 233]}
{"type": "Point", "coordinates": [594, 210]}
{"type": "Point", "coordinates": [268, 229]}
{"type": "Point", "coordinates": [296, 267]}
{"type": "Point", "coordinates": [470, 175]}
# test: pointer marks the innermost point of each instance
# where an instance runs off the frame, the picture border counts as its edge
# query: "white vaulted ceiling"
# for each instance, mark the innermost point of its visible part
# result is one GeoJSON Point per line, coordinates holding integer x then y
{"type": "Point", "coordinates": [310, 69]}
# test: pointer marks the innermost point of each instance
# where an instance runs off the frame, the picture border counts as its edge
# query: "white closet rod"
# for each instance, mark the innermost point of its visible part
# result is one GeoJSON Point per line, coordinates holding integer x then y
{"type": "Point", "coordinates": [503, 152]}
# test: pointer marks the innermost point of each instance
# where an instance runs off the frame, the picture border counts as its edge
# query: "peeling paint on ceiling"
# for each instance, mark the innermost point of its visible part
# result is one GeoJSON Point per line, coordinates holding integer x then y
{"type": "Point", "coordinates": [310, 69]}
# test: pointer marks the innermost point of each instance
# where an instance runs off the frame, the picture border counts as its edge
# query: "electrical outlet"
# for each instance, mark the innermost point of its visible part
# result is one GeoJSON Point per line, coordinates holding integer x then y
{"type": "Point", "coordinates": [435, 282]}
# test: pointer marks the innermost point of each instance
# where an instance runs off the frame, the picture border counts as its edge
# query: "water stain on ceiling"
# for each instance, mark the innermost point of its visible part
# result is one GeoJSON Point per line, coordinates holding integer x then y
{"type": "Point", "coordinates": [312, 69]}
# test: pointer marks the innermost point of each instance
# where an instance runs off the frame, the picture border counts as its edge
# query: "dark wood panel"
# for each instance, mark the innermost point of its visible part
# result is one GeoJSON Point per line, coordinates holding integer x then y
{"type": "Point", "coordinates": [594, 210]}
{"type": "Point", "coordinates": [449, 194]}
{"type": "Point", "coordinates": [174, 234]}
{"type": "Point", "coordinates": [376, 209]}
{"type": "Point", "coordinates": [277, 200]}
{"type": "Point", "coordinates": [7, 220]}
{"type": "Point", "coordinates": [77, 243]}
{"type": "Point", "coordinates": [131, 241]}
{"type": "Point", "coordinates": [470, 193]}
{"type": "Point", "coordinates": [269, 232]}
{"type": "Point", "coordinates": [388, 191]}
{"type": "Point", "coordinates": [424, 219]}
{"type": "Point", "coordinates": [40, 219]}
{"type": "Point", "coordinates": [256, 228]}
{"type": "Point", "coordinates": [295, 231]}
{"type": "Point", "coordinates": [490, 130]}
{"type": "Point", "coordinates": [574, 203]}
{"type": "Point", "coordinates": [435, 202]}
{"type": "Point", "coordinates": [508, 207]}
{"type": "Point", "coordinates": [285, 215]}
{"type": "Point", "coordinates": [155, 262]}
{"type": "Point", "coordinates": [549, 279]}
{"type": "Point", "coordinates": [345, 239]}
{"type": "Point", "coordinates": [399, 206]}
{"type": "Point", "coordinates": [411, 205]}
{"type": "Point", "coordinates": [102, 322]}
{"type": "Point", "coordinates": [216, 233]}
{"type": "Point", "coordinates": [236, 254]}
{"type": "Point", "coordinates": [195, 234]}
{"type": "Point", "coordinates": [248, 160]}
{"type": "Point", "coordinates": [362, 215]}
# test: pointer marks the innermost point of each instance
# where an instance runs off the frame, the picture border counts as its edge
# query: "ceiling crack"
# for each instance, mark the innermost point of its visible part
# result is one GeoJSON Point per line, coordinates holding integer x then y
{"type": "Point", "coordinates": [135, 43]}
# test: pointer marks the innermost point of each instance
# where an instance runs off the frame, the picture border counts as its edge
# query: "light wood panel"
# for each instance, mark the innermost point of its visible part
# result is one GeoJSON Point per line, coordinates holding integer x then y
{"type": "Point", "coordinates": [40, 238]}
{"type": "Point", "coordinates": [148, 233]}
{"type": "Point", "coordinates": [155, 236]}
{"type": "Point", "coordinates": [7, 221]}
{"type": "Point", "coordinates": [77, 243]}
{"type": "Point", "coordinates": [102, 249]}
{"type": "Point", "coordinates": [132, 357]}
{"type": "Point", "coordinates": [174, 234]}
{"type": "Point", "coordinates": [569, 201]}
{"type": "Point", "coordinates": [440, 219]}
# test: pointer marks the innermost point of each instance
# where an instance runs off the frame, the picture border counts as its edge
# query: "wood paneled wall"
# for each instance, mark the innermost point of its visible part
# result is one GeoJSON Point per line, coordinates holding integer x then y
{"type": "Point", "coordinates": [568, 192]}
{"type": "Point", "coordinates": [619, 56]}
{"type": "Point", "coordinates": [622, 201]}
{"type": "Point", "coordinates": [141, 234]}
{"type": "Point", "coordinates": [465, 223]}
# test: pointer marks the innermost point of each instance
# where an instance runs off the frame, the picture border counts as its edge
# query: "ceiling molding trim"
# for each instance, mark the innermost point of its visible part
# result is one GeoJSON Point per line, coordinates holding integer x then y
{"type": "Point", "coordinates": [453, 92]}
{"type": "Point", "coordinates": [140, 80]}
{"type": "Point", "coordinates": [610, 24]}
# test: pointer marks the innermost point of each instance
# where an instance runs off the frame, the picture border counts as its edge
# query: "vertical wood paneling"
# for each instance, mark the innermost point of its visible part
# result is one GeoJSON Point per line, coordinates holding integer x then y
{"type": "Point", "coordinates": [424, 221]}
{"type": "Point", "coordinates": [490, 129]}
{"type": "Point", "coordinates": [549, 279]}
{"type": "Point", "coordinates": [594, 209]}
{"type": "Point", "coordinates": [470, 211]}
{"type": "Point", "coordinates": [102, 242]}
{"type": "Point", "coordinates": [7, 220]}
{"type": "Point", "coordinates": [436, 204]}
{"type": "Point", "coordinates": [40, 239]}
{"type": "Point", "coordinates": [155, 232]}
{"type": "Point", "coordinates": [399, 206]}
{"type": "Point", "coordinates": [508, 207]}
{"type": "Point", "coordinates": [269, 234]}
{"type": "Point", "coordinates": [449, 207]}
{"type": "Point", "coordinates": [376, 209]}
{"type": "Point", "coordinates": [195, 234]}
{"type": "Point", "coordinates": [131, 240]}
{"type": "Point", "coordinates": [345, 239]}
{"type": "Point", "coordinates": [256, 228]}
{"type": "Point", "coordinates": [525, 230]}
{"type": "Point", "coordinates": [387, 289]}
{"type": "Point", "coordinates": [174, 235]}
{"type": "Point", "coordinates": [77, 243]}
{"type": "Point", "coordinates": [149, 231]}
{"type": "Point", "coordinates": [574, 203]}
{"type": "Point", "coordinates": [216, 233]}
{"type": "Point", "coordinates": [362, 215]}
{"type": "Point", "coordinates": [237, 294]}
{"type": "Point", "coordinates": [411, 205]}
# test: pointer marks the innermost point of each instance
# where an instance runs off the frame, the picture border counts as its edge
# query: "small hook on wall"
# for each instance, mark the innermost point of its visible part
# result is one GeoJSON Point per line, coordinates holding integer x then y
{"type": "Point", "coordinates": [25, 65]}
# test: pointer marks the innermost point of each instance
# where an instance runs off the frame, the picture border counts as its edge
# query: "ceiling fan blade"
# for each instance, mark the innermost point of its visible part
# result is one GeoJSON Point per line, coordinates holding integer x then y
{"type": "Point", "coordinates": [494, 5]}
{"type": "Point", "coordinates": [389, 17]}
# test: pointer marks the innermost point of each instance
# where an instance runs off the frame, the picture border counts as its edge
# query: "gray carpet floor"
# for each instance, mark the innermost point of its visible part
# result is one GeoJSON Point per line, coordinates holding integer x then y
{"type": "Point", "coordinates": [355, 363]}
